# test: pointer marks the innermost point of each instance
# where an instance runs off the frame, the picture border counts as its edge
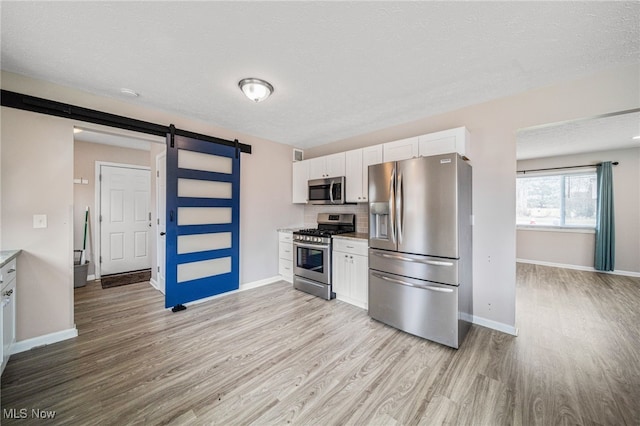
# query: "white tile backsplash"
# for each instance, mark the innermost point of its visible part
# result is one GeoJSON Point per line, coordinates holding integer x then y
{"type": "Point", "coordinates": [361, 211]}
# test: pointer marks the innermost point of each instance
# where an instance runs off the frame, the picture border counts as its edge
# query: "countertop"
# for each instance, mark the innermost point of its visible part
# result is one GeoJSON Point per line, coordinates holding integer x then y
{"type": "Point", "coordinates": [290, 230]}
{"type": "Point", "coordinates": [7, 255]}
{"type": "Point", "coordinates": [353, 236]}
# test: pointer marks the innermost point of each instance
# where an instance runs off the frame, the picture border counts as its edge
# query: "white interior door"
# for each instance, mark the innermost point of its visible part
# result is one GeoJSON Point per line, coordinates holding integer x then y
{"type": "Point", "coordinates": [161, 197]}
{"type": "Point", "coordinates": [125, 219]}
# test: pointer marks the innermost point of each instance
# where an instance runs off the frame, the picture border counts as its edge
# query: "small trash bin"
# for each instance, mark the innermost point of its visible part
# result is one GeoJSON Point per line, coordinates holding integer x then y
{"type": "Point", "coordinates": [79, 271]}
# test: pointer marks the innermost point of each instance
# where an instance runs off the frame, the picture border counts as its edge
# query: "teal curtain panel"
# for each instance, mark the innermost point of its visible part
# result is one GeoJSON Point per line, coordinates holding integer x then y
{"type": "Point", "coordinates": [605, 224]}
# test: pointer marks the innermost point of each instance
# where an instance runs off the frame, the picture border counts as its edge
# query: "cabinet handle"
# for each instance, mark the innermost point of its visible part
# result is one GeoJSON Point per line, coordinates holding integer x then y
{"type": "Point", "coordinates": [10, 271]}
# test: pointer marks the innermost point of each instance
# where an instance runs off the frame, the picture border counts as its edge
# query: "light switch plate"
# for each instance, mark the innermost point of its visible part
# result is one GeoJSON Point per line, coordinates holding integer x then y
{"type": "Point", "coordinates": [39, 221]}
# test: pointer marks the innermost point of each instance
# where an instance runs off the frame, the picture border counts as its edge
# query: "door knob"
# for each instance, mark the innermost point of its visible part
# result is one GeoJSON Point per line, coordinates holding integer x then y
{"type": "Point", "coordinates": [163, 233]}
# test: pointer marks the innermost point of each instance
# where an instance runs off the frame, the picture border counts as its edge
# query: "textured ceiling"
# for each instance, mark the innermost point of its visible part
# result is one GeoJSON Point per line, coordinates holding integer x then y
{"type": "Point", "coordinates": [339, 69]}
{"type": "Point", "coordinates": [596, 134]}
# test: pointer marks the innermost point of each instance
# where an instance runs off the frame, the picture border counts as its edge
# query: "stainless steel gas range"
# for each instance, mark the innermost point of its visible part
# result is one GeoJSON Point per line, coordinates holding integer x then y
{"type": "Point", "coordinates": [312, 253]}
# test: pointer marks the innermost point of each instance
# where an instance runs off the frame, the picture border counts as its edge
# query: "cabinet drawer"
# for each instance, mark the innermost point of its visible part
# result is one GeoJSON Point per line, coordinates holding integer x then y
{"type": "Point", "coordinates": [286, 251]}
{"type": "Point", "coordinates": [8, 273]}
{"type": "Point", "coordinates": [285, 237]}
{"type": "Point", "coordinates": [285, 268]}
{"type": "Point", "coordinates": [351, 246]}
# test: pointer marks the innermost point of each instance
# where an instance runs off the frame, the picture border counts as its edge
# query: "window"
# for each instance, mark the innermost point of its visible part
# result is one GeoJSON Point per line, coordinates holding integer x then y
{"type": "Point", "coordinates": [562, 200]}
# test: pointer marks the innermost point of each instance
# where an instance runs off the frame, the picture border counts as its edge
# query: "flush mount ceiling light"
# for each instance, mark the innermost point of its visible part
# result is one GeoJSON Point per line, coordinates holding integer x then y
{"type": "Point", "coordinates": [255, 89]}
{"type": "Point", "coordinates": [130, 93]}
{"type": "Point", "coordinates": [76, 130]}
{"type": "Point", "coordinates": [636, 137]}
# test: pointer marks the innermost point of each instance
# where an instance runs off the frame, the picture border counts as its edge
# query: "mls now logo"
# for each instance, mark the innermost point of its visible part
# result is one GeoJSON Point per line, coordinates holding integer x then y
{"type": "Point", "coordinates": [23, 413]}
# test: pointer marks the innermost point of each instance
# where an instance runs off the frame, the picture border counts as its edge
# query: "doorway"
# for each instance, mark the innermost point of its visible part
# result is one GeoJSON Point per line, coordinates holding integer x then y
{"type": "Point", "coordinates": [124, 218]}
{"type": "Point", "coordinates": [112, 147]}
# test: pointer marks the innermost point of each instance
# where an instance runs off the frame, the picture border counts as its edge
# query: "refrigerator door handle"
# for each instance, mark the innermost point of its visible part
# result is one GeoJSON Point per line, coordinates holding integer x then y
{"type": "Point", "coordinates": [408, 259]}
{"type": "Point", "coordinates": [424, 287]}
{"type": "Point", "coordinates": [399, 208]}
{"type": "Point", "coordinates": [392, 197]}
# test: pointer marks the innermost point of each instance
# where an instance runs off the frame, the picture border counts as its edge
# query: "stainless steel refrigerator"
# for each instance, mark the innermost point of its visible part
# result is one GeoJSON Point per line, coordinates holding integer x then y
{"type": "Point", "coordinates": [420, 266]}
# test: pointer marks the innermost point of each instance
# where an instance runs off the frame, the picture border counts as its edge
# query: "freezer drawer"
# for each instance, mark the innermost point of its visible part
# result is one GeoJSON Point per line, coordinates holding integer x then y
{"type": "Point", "coordinates": [438, 269]}
{"type": "Point", "coordinates": [422, 308]}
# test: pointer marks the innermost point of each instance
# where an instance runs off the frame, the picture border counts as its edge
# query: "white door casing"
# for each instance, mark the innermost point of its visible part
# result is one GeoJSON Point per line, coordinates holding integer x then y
{"type": "Point", "coordinates": [161, 209]}
{"type": "Point", "coordinates": [124, 218]}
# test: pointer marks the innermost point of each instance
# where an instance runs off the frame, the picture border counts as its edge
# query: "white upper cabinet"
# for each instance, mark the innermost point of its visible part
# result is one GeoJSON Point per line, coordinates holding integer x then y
{"type": "Point", "coordinates": [328, 166]}
{"type": "Point", "coordinates": [401, 150]}
{"type": "Point", "coordinates": [299, 184]}
{"type": "Point", "coordinates": [452, 140]}
{"type": "Point", "coordinates": [357, 172]}
{"type": "Point", "coordinates": [354, 164]}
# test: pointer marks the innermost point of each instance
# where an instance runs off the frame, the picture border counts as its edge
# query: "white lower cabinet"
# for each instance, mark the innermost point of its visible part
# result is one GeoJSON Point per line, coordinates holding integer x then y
{"type": "Point", "coordinates": [285, 255]}
{"type": "Point", "coordinates": [350, 276]}
{"type": "Point", "coordinates": [8, 310]}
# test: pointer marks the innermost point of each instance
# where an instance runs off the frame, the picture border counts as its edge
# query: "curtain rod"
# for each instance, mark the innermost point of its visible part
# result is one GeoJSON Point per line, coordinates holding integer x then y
{"type": "Point", "coordinates": [615, 163]}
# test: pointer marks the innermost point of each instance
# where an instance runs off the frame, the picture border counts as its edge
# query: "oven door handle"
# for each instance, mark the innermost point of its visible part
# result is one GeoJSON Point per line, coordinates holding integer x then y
{"type": "Point", "coordinates": [315, 246]}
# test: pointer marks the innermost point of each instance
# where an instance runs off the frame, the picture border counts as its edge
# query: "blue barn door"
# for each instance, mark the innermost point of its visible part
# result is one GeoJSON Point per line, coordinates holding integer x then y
{"type": "Point", "coordinates": [203, 219]}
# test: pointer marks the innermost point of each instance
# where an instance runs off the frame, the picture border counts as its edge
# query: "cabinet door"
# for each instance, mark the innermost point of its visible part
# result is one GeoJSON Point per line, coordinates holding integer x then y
{"type": "Point", "coordinates": [370, 155]}
{"type": "Point", "coordinates": [299, 183]}
{"type": "Point", "coordinates": [340, 273]}
{"type": "Point", "coordinates": [400, 150]}
{"type": "Point", "coordinates": [444, 142]}
{"type": "Point", "coordinates": [354, 176]}
{"type": "Point", "coordinates": [360, 282]}
{"type": "Point", "coordinates": [335, 165]}
{"type": "Point", "coordinates": [317, 168]}
{"type": "Point", "coordinates": [8, 320]}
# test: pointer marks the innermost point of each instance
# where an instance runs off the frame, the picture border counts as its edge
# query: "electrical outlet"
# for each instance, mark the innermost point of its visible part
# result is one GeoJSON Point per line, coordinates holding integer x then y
{"type": "Point", "coordinates": [39, 221]}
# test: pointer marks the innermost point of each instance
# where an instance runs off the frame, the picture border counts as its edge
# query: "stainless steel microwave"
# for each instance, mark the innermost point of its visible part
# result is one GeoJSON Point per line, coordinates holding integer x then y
{"type": "Point", "coordinates": [327, 191]}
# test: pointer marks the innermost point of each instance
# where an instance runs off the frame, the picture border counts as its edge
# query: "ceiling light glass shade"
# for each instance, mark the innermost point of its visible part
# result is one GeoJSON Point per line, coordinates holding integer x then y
{"type": "Point", "coordinates": [255, 89]}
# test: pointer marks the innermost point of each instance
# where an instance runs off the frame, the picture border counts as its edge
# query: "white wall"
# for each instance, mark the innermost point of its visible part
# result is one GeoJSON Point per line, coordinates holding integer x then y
{"type": "Point", "coordinates": [493, 127]}
{"type": "Point", "coordinates": [38, 148]}
{"type": "Point", "coordinates": [577, 249]}
{"type": "Point", "coordinates": [37, 178]}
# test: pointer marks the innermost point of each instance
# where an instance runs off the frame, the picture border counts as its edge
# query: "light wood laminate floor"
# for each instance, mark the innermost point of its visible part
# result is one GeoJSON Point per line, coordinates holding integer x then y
{"type": "Point", "coordinates": [274, 355]}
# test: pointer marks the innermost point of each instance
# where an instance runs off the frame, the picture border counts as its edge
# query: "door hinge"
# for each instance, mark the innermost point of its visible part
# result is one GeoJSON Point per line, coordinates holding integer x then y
{"type": "Point", "coordinates": [149, 217]}
{"type": "Point", "coordinates": [100, 259]}
{"type": "Point", "coordinates": [158, 220]}
{"type": "Point", "coordinates": [158, 269]}
{"type": "Point", "coordinates": [100, 178]}
{"type": "Point", "coordinates": [158, 173]}
{"type": "Point", "coordinates": [100, 218]}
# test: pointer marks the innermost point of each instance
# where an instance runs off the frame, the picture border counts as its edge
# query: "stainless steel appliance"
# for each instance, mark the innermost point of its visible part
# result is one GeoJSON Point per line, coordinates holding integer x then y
{"type": "Point", "coordinates": [312, 253]}
{"type": "Point", "coordinates": [420, 246]}
{"type": "Point", "coordinates": [327, 191]}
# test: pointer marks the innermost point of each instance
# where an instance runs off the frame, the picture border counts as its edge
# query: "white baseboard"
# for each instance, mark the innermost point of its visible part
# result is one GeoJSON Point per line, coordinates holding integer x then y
{"type": "Point", "coordinates": [578, 267]}
{"type": "Point", "coordinates": [260, 283]}
{"type": "Point", "coordinates": [47, 339]}
{"type": "Point", "coordinates": [91, 277]}
{"type": "Point", "coordinates": [494, 325]}
{"type": "Point", "coordinates": [153, 283]}
{"type": "Point", "coordinates": [243, 287]}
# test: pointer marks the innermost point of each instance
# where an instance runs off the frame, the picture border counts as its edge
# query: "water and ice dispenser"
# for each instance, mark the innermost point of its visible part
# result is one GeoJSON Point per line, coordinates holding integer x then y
{"type": "Point", "coordinates": [380, 221]}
